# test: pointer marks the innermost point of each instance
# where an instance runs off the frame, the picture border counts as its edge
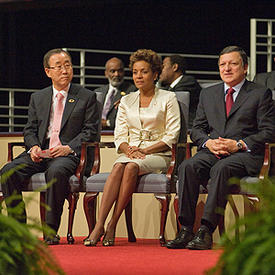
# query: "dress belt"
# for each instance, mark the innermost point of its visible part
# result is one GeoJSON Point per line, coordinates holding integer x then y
{"type": "Point", "coordinates": [147, 135]}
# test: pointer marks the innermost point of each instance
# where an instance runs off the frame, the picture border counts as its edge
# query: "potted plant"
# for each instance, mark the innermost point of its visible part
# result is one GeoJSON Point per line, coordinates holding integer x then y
{"type": "Point", "coordinates": [21, 251]}
{"type": "Point", "coordinates": [254, 251]}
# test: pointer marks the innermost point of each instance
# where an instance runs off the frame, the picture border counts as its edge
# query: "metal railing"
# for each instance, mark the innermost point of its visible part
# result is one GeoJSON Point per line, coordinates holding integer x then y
{"type": "Point", "coordinates": [89, 65]}
{"type": "Point", "coordinates": [14, 108]}
{"type": "Point", "coordinates": [261, 45]}
{"type": "Point", "coordinates": [89, 71]}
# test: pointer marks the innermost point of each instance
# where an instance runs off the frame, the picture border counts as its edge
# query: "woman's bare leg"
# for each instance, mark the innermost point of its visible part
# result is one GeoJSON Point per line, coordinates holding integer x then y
{"type": "Point", "coordinates": [127, 188]}
{"type": "Point", "coordinates": [110, 194]}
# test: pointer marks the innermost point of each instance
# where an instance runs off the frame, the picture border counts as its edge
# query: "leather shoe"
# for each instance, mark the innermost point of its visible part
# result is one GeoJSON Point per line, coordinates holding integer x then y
{"type": "Point", "coordinates": [182, 239]}
{"type": "Point", "coordinates": [202, 240]}
{"type": "Point", "coordinates": [52, 240]}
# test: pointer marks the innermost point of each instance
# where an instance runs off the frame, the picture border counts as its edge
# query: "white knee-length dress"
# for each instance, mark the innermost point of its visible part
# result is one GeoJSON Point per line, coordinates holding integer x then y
{"type": "Point", "coordinates": [143, 127]}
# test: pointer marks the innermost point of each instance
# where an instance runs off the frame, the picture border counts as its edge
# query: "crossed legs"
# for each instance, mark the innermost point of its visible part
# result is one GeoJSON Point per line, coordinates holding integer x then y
{"type": "Point", "coordinates": [118, 188]}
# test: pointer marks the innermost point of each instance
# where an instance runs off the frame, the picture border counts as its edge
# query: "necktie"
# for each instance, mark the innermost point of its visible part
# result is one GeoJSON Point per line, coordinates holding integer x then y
{"type": "Point", "coordinates": [107, 106]}
{"type": "Point", "coordinates": [57, 117]}
{"type": "Point", "coordinates": [229, 100]}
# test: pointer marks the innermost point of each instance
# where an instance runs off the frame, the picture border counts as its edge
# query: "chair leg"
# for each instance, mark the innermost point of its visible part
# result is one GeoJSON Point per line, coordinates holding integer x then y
{"type": "Point", "coordinates": [1, 201]}
{"type": "Point", "coordinates": [72, 199]}
{"type": "Point", "coordinates": [250, 204]}
{"type": "Point", "coordinates": [129, 224]}
{"type": "Point", "coordinates": [89, 205]}
{"type": "Point", "coordinates": [176, 209]}
{"type": "Point", "coordinates": [236, 214]}
{"type": "Point", "coordinates": [43, 209]}
{"type": "Point", "coordinates": [221, 226]}
{"type": "Point", "coordinates": [164, 200]}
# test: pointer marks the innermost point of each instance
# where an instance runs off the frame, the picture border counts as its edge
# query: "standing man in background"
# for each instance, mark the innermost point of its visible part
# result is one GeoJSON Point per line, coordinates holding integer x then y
{"type": "Point", "coordinates": [173, 78]}
{"type": "Point", "coordinates": [60, 118]}
{"type": "Point", "coordinates": [112, 92]}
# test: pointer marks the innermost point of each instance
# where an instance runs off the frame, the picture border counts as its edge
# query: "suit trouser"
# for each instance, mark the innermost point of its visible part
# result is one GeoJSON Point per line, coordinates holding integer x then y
{"type": "Point", "coordinates": [57, 170]}
{"type": "Point", "coordinates": [198, 170]}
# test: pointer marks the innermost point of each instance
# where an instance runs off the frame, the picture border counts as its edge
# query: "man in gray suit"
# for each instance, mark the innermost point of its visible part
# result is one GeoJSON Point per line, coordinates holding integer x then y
{"type": "Point", "coordinates": [173, 78]}
{"type": "Point", "coordinates": [78, 122]}
{"type": "Point", "coordinates": [112, 92]}
{"type": "Point", "coordinates": [234, 120]}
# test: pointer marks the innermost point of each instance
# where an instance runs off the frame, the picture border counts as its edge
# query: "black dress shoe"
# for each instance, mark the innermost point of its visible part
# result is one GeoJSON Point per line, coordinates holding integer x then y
{"type": "Point", "coordinates": [182, 239]}
{"type": "Point", "coordinates": [202, 240]}
{"type": "Point", "coordinates": [52, 240]}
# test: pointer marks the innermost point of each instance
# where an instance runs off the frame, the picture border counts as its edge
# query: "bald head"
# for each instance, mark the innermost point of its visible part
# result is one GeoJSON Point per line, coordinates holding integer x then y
{"type": "Point", "coordinates": [114, 71]}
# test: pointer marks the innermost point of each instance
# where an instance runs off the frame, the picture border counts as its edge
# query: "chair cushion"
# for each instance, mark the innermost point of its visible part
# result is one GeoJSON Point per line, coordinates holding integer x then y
{"type": "Point", "coordinates": [37, 181]}
{"type": "Point", "coordinates": [96, 182]}
{"type": "Point", "coordinates": [153, 183]}
{"type": "Point", "coordinates": [242, 189]}
{"type": "Point", "coordinates": [150, 183]}
{"type": "Point", "coordinates": [234, 189]}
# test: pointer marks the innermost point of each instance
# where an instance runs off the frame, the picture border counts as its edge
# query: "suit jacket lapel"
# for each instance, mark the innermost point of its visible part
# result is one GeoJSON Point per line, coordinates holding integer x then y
{"type": "Point", "coordinates": [134, 109]}
{"type": "Point", "coordinates": [216, 106]}
{"type": "Point", "coordinates": [243, 93]}
{"type": "Point", "coordinates": [70, 104]}
{"type": "Point", "coordinates": [116, 97]}
{"type": "Point", "coordinates": [106, 89]}
{"type": "Point", "coordinates": [46, 109]}
{"type": "Point", "coordinates": [220, 101]}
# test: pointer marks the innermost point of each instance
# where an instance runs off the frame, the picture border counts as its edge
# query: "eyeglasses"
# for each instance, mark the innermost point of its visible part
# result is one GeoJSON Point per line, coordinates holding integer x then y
{"type": "Point", "coordinates": [60, 67]}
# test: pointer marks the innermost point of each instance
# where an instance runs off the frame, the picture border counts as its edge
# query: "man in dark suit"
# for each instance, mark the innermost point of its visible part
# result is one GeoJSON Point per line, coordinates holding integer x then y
{"type": "Point", "coordinates": [234, 120]}
{"type": "Point", "coordinates": [78, 122]}
{"type": "Point", "coordinates": [112, 92]}
{"type": "Point", "coordinates": [173, 78]}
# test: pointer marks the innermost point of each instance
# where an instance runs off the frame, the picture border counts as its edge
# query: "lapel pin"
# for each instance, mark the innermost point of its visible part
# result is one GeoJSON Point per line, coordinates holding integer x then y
{"type": "Point", "coordinates": [71, 100]}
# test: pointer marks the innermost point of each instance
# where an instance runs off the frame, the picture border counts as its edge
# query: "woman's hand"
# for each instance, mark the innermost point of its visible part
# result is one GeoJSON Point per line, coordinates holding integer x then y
{"type": "Point", "coordinates": [134, 152]}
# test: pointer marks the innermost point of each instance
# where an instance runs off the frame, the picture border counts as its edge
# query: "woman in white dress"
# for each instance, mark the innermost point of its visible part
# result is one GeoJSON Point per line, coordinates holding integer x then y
{"type": "Point", "coordinates": [147, 124]}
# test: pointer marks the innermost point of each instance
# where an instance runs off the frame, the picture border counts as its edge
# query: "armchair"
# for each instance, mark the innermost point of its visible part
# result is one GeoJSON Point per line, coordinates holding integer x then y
{"type": "Point", "coordinates": [38, 182]}
{"type": "Point", "coordinates": [160, 184]}
{"type": "Point", "coordinates": [250, 200]}
{"type": "Point", "coordinates": [84, 169]}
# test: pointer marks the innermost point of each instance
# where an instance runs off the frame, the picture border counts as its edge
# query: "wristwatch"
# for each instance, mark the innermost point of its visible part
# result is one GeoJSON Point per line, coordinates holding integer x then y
{"type": "Point", "coordinates": [72, 151]}
{"type": "Point", "coordinates": [239, 145]}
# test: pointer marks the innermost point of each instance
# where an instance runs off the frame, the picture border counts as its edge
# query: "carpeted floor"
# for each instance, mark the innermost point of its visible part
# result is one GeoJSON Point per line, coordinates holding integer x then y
{"type": "Point", "coordinates": [143, 257]}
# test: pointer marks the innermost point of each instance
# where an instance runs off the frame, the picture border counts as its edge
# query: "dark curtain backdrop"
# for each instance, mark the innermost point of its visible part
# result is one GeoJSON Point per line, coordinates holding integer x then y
{"type": "Point", "coordinates": [28, 30]}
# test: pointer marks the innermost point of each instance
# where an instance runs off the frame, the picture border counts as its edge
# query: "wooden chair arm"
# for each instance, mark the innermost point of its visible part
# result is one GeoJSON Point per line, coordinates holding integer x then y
{"type": "Point", "coordinates": [170, 171]}
{"type": "Point", "coordinates": [267, 156]}
{"type": "Point", "coordinates": [83, 160]}
{"type": "Point", "coordinates": [11, 145]}
{"type": "Point", "coordinates": [188, 146]}
{"type": "Point", "coordinates": [175, 157]}
{"type": "Point", "coordinates": [96, 161]}
{"type": "Point", "coordinates": [267, 161]}
{"type": "Point", "coordinates": [107, 145]}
